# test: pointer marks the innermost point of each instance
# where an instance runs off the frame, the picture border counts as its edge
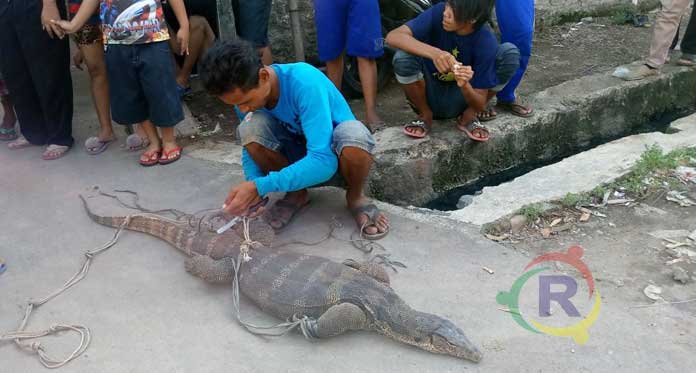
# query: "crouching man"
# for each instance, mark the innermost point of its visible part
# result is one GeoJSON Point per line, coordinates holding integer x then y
{"type": "Point", "coordinates": [297, 131]}
{"type": "Point", "coordinates": [450, 64]}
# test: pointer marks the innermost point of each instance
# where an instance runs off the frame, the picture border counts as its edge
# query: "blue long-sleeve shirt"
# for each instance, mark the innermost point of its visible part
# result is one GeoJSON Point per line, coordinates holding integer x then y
{"type": "Point", "coordinates": [311, 106]}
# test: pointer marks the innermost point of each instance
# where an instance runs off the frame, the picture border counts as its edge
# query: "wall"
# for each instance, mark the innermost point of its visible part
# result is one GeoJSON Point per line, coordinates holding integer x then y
{"type": "Point", "coordinates": [548, 12]}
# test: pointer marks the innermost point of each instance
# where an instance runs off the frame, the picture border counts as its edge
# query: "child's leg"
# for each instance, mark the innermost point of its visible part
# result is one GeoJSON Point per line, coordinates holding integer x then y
{"type": "Point", "coordinates": [409, 73]}
{"type": "Point", "coordinates": [168, 139]}
{"type": "Point", "coordinates": [9, 118]}
{"type": "Point", "coordinates": [334, 70]}
{"type": "Point", "coordinates": [151, 134]}
{"type": "Point", "coordinates": [365, 41]}
{"type": "Point", "coordinates": [94, 59]}
{"type": "Point", "coordinates": [367, 68]}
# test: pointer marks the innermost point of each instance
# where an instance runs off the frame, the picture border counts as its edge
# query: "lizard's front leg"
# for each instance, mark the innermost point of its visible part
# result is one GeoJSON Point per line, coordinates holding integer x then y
{"type": "Point", "coordinates": [219, 271]}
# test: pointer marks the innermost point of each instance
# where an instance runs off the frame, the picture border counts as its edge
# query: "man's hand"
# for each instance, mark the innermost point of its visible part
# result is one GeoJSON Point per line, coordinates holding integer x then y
{"type": "Point", "coordinates": [182, 37]}
{"type": "Point", "coordinates": [462, 74]}
{"type": "Point", "coordinates": [241, 198]}
{"type": "Point", "coordinates": [49, 14]}
{"type": "Point", "coordinates": [444, 61]}
{"type": "Point", "coordinates": [78, 58]}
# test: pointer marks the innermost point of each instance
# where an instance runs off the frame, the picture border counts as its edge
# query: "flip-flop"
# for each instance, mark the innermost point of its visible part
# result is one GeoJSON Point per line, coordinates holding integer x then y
{"type": "Point", "coordinates": [417, 124]}
{"type": "Point", "coordinates": [283, 212]}
{"type": "Point", "coordinates": [151, 158]}
{"type": "Point", "coordinates": [687, 60]}
{"type": "Point", "coordinates": [372, 213]}
{"type": "Point", "coordinates": [515, 108]}
{"type": "Point", "coordinates": [492, 115]}
{"type": "Point", "coordinates": [135, 142]}
{"type": "Point", "coordinates": [94, 146]}
{"type": "Point", "coordinates": [167, 157]}
{"type": "Point", "coordinates": [472, 128]}
{"type": "Point", "coordinates": [8, 134]}
{"type": "Point", "coordinates": [19, 143]}
{"type": "Point", "coordinates": [54, 151]}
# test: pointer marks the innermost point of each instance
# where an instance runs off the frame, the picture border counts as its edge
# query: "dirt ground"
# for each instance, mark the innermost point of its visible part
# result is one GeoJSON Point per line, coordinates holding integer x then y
{"type": "Point", "coordinates": [624, 250]}
{"type": "Point", "coordinates": [561, 53]}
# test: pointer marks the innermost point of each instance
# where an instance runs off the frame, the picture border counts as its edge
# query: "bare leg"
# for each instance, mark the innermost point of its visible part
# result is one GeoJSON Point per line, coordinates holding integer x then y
{"type": "Point", "coordinates": [8, 121]}
{"type": "Point", "coordinates": [168, 138]}
{"type": "Point", "coordinates": [367, 69]}
{"type": "Point", "coordinates": [201, 38]}
{"type": "Point", "coordinates": [415, 93]}
{"type": "Point", "coordinates": [266, 55]}
{"type": "Point", "coordinates": [354, 165]}
{"type": "Point", "coordinates": [94, 59]}
{"type": "Point", "coordinates": [268, 161]}
{"type": "Point", "coordinates": [334, 70]}
{"type": "Point", "coordinates": [151, 133]}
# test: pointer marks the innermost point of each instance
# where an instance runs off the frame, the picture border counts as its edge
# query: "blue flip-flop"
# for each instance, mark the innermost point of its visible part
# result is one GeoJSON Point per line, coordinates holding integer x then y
{"type": "Point", "coordinates": [94, 146]}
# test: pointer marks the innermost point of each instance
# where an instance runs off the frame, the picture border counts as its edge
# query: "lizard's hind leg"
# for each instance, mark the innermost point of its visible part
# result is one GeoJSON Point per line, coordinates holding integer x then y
{"type": "Point", "coordinates": [338, 320]}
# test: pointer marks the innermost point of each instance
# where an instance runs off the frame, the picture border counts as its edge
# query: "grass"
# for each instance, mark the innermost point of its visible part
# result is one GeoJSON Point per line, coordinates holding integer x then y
{"type": "Point", "coordinates": [654, 168]}
{"type": "Point", "coordinates": [572, 199]}
{"type": "Point", "coordinates": [532, 212]}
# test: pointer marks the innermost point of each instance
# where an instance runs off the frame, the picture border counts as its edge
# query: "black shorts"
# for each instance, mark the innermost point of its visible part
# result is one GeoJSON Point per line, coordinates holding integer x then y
{"type": "Point", "coordinates": [142, 84]}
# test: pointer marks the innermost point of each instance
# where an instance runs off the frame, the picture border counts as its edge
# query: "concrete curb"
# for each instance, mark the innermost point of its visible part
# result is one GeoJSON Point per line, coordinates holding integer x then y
{"type": "Point", "coordinates": [569, 118]}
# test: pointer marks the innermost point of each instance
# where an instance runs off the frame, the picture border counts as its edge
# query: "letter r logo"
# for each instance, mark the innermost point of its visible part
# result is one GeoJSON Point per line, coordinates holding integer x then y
{"type": "Point", "coordinates": [562, 298]}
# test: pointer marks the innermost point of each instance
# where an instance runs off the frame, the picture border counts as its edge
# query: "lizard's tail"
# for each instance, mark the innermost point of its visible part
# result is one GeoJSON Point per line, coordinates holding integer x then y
{"type": "Point", "coordinates": [175, 234]}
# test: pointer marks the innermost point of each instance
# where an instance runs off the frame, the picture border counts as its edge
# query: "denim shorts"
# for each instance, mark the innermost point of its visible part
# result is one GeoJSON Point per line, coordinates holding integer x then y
{"type": "Point", "coordinates": [262, 128]}
{"type": "Point", "coordinates": [445, 98]}
{"type": "Point", "coordinates": [353, 26]}
{"type": "Point", "coordinates": [142, 84]}
{"type": "Point", "coordinates": [251, 17]}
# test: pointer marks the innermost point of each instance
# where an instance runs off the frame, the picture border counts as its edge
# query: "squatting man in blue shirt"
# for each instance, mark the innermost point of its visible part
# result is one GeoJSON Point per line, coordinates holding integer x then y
{"type": "Point", "coordinates": [297, 131]}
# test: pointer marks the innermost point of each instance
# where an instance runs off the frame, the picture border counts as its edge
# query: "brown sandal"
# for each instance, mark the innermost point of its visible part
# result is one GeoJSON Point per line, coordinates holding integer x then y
{"type": "Point", "coordinates": [516, 109]}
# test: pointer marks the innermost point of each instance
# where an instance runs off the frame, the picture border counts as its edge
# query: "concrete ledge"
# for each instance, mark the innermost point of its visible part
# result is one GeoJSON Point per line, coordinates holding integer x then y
{"type": "Point", "coordinates": [569, 118]}
{"type": "Point", "coordinates": [576, 174]}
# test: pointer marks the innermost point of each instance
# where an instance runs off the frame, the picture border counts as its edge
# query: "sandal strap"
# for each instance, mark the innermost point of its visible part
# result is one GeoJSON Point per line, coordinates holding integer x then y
{"type": "Point", "coordinates": [418, 124]}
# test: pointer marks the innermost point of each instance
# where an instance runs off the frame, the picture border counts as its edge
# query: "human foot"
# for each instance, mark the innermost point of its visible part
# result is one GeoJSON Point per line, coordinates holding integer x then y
{"type": "Point", "coordinates": [151, 156]}
{"type": "Point", "coordinates": [515, 108]}
{"type": "Point", "coordinates": [54, 152]}
{"type": "Point", "coordinates": [171, 153]}
{"type": "Point", "coordinates": [98, 144]}
{"type": "Point", "coordinates": [19, 143]}
{"type": "Point", "coordinates": [372, 222]}
{"type": "Point", "coordinates": [474, 129]}
{"type": "Point", "coordinates": [487, 115]}
{"type": "Point", "coordinates": [419, 128]}
{"type": "Point", "coordinates": [374, 122]}
{"type": "Point", "coordinates": [284, 210]}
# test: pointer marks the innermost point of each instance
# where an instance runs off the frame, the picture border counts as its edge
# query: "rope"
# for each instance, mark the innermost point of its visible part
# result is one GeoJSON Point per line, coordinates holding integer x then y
{"type": "Point", "coordinates": [362, 243]}
{"type": "Point", "coordinates": [21, 334]}
{"type": "Point", "coordinates": [304, 322]}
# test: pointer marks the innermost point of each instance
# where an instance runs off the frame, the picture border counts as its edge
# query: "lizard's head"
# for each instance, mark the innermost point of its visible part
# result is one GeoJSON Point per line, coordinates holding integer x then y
{"type": "Point", "coordinates": [448, 339]}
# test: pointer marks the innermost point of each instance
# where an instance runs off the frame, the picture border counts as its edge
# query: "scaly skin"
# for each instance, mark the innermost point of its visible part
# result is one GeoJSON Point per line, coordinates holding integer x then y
{"type": "Point", "coordinates": [336, 297]}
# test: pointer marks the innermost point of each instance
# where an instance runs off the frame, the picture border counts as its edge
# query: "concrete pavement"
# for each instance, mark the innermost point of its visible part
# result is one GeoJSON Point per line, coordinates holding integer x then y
{"type": "Point", "coordinates": [148, 315]}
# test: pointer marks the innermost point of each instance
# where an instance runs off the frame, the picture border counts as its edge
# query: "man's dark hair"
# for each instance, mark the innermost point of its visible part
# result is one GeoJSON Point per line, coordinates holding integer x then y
{"type": "Point", "coordinates": [230, 65]}
{"type": "Point", "coordinates": [472, 10]}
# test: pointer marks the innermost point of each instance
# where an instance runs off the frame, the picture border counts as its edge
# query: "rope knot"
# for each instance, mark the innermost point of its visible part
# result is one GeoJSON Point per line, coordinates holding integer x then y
{"type": "Point", "coordinates": [89, 255]}
{"type": "Point", "coordinates": [36, 346]}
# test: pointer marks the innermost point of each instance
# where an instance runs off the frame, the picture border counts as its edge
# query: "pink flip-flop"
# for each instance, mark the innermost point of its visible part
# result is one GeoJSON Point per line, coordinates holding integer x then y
{"type": "Point", "coordinates": [94, 146]}
{"type": "Point", "coordinates": [54, 152]}
{"type": "Point", "coordinates": [20, 143]}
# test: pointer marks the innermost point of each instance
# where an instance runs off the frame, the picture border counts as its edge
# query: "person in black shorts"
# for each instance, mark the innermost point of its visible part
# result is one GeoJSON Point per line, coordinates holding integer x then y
{"type": "Point", "coordinates": [251, 21]}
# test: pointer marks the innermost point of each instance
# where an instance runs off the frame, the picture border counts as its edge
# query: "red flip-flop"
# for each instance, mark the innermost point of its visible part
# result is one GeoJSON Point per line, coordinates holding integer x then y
{"type": "Point", "coordinates": [151, 158]}
{"type": "Point", "coordinates": [167, 156]}
{"type": "Point", "coordinates": [473, 128]}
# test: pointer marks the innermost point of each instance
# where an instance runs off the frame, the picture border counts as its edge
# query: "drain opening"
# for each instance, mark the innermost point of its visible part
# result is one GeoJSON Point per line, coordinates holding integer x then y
{"type": "Point", "coordinates": [448, 200]}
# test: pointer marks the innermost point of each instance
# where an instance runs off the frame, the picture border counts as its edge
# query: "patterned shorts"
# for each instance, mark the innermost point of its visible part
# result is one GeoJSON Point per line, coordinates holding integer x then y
{"type": "Point", "coordinates": [89, 34]}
